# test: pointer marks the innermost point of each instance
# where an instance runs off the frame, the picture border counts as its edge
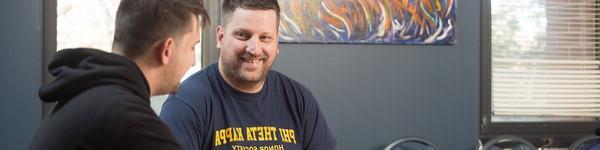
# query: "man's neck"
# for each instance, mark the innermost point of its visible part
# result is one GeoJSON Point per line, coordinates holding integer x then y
{"type": "Point", "coordinates": [151, 77]}
{"type": "Point", "coordinates": [147, 70]}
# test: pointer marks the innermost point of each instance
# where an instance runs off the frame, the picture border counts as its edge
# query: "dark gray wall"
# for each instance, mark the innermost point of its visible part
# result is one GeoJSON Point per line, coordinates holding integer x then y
{"type": "Point", "coordinates": [374, 94]}
{"type": "Point", "coordinates": [370, 94]}
{"type": "Point", "coordinates": [21, 65]}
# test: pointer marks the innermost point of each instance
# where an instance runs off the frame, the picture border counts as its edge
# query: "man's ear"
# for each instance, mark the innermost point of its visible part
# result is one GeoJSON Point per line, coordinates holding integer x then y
{"type": "Point", "coordinates": [165, 50]}
{"type": "Point", "coordinates": [220, 34]}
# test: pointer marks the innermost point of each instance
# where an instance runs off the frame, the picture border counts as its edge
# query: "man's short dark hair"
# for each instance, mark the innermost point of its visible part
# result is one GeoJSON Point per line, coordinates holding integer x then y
{"type": "Point", "coordinates": [141, 23]}
{"type": "Point", "coordinates": [229, 7]}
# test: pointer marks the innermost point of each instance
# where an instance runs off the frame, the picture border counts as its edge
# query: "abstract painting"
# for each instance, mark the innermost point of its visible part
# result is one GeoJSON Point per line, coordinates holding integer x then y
{"type": "Point", "coordinates": [368, 21]}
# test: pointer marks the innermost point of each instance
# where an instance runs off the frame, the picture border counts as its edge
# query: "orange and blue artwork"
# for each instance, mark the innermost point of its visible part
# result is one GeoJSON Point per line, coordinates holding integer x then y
{"type": "Point", "coordinates": [368, 21]}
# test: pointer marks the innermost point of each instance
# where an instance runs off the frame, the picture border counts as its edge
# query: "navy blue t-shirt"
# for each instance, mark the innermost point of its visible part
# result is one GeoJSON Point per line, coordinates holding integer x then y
{"type": "Point", "coordinates": [207, 113]}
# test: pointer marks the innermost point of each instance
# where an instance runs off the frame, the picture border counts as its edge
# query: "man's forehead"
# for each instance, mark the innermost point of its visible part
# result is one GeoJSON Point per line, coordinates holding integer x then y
{"type": "Point", "coordinates": [270, 14]}
{"type": "Point", "coordinates": [245, 14]}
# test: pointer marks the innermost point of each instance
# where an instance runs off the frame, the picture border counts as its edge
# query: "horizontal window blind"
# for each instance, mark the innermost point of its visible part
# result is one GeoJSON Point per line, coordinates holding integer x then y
{"type": "Point", "coordinates": [545, 60]}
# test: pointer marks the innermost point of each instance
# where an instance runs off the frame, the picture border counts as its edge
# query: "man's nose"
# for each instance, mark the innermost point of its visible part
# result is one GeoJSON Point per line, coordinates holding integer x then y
{"type": "Point", "coordinates": [253, 46]}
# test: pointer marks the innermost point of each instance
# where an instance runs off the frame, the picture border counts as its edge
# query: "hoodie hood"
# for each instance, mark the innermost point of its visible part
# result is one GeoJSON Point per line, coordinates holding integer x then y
{"type": "Point", "coordinates": [78, 70]}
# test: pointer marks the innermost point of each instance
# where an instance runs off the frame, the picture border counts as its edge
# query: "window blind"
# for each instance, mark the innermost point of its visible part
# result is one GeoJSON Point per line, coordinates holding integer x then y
{"type": "Point", "coordinates": [545, 60]}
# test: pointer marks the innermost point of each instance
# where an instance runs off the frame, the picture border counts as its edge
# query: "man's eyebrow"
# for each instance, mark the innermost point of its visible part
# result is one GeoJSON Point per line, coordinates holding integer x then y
{"type": "Point", "coordinates": [240, 30]}
{"type": "Point", "coordinates": [267, 33]}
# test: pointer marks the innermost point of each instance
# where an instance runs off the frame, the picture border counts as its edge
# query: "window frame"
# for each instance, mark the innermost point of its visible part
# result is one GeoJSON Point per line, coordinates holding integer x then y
{"type": "Point", "coordinates": [210, 53]}
{"type": "Point", "coordinates": [536, 132]}
{"type": "Point", "coordinates": [49, 45]}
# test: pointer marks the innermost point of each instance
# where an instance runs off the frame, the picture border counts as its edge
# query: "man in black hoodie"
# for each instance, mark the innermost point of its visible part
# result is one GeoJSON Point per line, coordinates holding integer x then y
{"type": "Point", "coordinates": [102, 99]}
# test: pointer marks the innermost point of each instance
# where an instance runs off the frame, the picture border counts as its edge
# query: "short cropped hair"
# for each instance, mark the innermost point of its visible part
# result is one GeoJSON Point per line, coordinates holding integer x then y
{"type": "Point", "coordinates": [141, 23]}
{"type": "Point", "coordinates": [229, 7]}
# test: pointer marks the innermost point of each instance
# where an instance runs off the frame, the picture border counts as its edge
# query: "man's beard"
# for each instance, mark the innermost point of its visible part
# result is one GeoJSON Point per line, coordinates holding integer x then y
{"type": "Point", "coordinates": [235, 73]}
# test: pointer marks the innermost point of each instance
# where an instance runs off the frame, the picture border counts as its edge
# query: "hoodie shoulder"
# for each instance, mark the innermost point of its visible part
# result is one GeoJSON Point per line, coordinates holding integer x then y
{"type": "Point", "coordinates": [77, 70]}
{"type": "Point", "coordinates": [93, 118]}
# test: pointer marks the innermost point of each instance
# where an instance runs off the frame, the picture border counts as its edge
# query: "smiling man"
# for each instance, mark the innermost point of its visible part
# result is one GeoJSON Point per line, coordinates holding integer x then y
{"type": "Point", "coordinates": [239, 102]}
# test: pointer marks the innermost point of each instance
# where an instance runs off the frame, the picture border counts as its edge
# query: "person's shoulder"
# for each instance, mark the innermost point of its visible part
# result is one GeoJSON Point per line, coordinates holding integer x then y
{"type": "Point", "coordinates": [114, 94]}
{"type": "Point", "coordinates": [198, 83]}
{"type": "Point", "coordinates": [197, 79]}
{"type": "Point", "coordinates": [197, 89]}
{"type": "Point", "coordinates": [115, 105]}
{"type": "Point", "coordinates": [96, 105]}
{"type": "Point", "coordinates": [107, 98]}
{"type": "Point", "coordinates": [281, 79]}
{"type": "Point", "coordinates": [109, 111]}
{"type": "Point", "coordinates": [296, 92]}
{"type": "Point", "coordinates": [124, 105]}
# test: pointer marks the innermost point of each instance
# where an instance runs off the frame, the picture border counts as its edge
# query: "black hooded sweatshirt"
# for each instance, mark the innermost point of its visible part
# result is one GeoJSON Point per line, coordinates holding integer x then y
{"type": "Point", "coordinates": [102, 103]}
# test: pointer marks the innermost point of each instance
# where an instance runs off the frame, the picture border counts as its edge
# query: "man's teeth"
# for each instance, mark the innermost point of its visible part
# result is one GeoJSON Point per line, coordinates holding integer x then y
{"type": "Point", "coordinates": [250, 60]}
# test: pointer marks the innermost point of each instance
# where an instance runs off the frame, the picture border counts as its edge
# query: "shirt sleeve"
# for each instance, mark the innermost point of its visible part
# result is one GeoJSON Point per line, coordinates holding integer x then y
{"type": "Point", "coordinates": [183, 122]}
{"type": "Point", "coordinates": [317, 135]}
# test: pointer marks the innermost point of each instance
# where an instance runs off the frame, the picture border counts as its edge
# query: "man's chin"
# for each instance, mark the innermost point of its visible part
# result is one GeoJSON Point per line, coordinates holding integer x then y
{"type": "Point", "coordinates": [252, 77]}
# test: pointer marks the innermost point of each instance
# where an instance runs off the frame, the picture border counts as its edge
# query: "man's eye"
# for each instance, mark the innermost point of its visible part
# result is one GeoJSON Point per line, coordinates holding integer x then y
{"type": "Point", "coordinates": [266, 38]}
{"type": "Point", "coordinates": [242, 36]}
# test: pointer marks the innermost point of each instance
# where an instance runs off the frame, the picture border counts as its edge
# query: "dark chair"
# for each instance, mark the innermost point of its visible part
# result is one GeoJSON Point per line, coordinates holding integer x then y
{"type": "Point", "coordinates": [591, 142]}
{"type": "Point", "coordinates": [411, 143]}
{"type": "Point", "coordinates": [510, 142]}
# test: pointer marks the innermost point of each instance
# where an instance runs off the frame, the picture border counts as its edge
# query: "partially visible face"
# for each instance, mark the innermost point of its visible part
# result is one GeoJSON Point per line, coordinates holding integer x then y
{"type": "Point", "coordinates": [183, 55]}
{"type": "Point", "coordinates": [249, 45]}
